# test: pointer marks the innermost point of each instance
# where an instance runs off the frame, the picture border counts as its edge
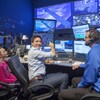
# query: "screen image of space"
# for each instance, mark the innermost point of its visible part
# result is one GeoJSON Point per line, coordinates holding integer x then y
{"type": "Point", "coordinates": [60, 12]}
{"type": "Point", "coordinates": [91, 19]}
{"type": "Point", "coordinates": [85, 6]}
{"type": "Point", "coordinates": [41, 25]}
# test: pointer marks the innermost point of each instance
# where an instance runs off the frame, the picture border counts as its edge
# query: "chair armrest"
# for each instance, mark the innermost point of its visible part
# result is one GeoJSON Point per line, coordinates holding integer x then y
{"type": "Point", "coordinates": [4, 89]}
{"type": "Point", "coordinates": [91, 96]}
{"type": "Point", "coordinates": [15, 85]}
{"type": "Point", "coordinates": [41, 91]}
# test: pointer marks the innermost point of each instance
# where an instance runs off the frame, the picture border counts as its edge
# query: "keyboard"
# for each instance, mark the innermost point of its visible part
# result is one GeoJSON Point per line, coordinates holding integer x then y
{"type": "Point", "coordinates": [68, 63]}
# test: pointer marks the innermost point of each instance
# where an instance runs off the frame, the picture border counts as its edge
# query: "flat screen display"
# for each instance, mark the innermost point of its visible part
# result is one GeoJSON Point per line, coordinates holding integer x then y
{"type": "Point", "coordinates": [91, 19]}
{"type": "Point", "coordinates": [98, 29]}
{"type": "Point", "coordinates": [60, 12]}
{"type": "Point", "coordinates": [28, 47]}
{"type": "Point", "coordinates": [80, 47]}
{"type": "Point", "coordinates": [46, 48]}
{"type": "Point", "coordinates": [85, 6]}
{"type": "Point", "coordinates": [64, 45]}
{"type": "Point", "coordinates": [80, 31]}
{"type": "Point", "coordinates": [46, 38]}
{"type": "Point", "coordinates": [44, 25]}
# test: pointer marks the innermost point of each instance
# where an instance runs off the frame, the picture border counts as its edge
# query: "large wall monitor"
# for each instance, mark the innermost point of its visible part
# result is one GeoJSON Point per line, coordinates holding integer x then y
{"type": "Point", "coordinates": [85, 7]}
{"type": "Point", "coordinates": [60, 12]}
{"type": "Point", "coordinates": [91, 19]}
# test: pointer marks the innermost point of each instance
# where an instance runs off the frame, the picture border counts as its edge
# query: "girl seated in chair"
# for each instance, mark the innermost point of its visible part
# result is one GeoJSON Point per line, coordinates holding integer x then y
{"type": "Point", "coordinates": [5, 74]}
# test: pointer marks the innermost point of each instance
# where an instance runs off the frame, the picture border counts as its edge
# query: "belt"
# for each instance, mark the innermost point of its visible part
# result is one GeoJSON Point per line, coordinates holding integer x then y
{"type": "Point", "coordinates": [39, 77]}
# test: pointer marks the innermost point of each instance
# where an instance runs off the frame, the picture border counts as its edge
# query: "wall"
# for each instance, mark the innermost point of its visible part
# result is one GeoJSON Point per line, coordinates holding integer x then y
{"type": "Point", "coordinates": [16, 17]}
{"type": "Point", "coordinates": [37, 3]}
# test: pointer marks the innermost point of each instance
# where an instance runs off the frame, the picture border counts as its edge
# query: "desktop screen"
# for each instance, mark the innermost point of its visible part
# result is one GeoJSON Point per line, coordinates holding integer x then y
{"type": "Point", "coordinates": [44, 25]}
{"type": "Point", "coordinates": [21, 48]}
{"type": "Point", "coordinates": [28, 47]}
{"type": "Point", "coordinates": [80, 31]}
{"type": "Point", "coordinates": [64, 45]}
{"type": "Point", "coordinates": [80, 47]}
{"type": "Point", "coordinates": [46, 48]}
{"type": "Point", "coordinates": [46, 38]}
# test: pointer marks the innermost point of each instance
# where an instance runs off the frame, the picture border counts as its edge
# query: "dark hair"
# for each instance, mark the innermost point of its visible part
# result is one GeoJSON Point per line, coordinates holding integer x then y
{"type": "Point", "coordinates": [96, 36]}
{"type": "Point", "coordinates": [34, 37]}
{"type": "Point", "coordinates": [91, 32]}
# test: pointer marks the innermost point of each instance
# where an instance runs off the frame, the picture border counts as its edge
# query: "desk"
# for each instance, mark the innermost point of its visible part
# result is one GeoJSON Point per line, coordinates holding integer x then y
{"type": "Point", "coordinates": [64, 67]}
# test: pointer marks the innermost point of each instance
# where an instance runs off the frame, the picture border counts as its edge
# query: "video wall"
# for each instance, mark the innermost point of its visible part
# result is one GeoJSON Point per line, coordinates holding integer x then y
{"type": "Point", "coordinates": [78, 16]}
{"type": "Point", "coordinates": [72, 14]}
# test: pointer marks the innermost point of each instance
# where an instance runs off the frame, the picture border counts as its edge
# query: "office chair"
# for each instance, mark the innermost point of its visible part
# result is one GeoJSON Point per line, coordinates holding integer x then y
{"type": "Point", "coordinates": [4, 89]}
{"type": "Point", "coordinates": [29, 92]}
{"type": "Point", "coordinates": [8, 91]}
{"type": "Point", "coordinates": [91, 96]}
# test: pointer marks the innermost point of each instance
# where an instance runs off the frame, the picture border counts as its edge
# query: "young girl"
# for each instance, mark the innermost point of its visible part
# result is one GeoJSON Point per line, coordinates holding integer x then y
{"type": "Point", "coordinates": [5, 74]}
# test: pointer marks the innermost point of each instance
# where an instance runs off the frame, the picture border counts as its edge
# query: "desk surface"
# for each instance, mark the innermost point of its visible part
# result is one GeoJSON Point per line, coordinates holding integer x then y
{"type": "Point", "coordinates": [63, 63]}
{"type": "Point", "coordinates": [66, 63]}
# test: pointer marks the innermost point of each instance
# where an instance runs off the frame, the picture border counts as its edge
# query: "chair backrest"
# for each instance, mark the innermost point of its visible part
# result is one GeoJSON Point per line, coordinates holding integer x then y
{"type": "Point", "coordinates": [19, 71]}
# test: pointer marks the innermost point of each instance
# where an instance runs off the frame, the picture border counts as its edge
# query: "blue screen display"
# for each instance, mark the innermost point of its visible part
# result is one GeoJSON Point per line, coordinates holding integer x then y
{"type": "Point", "coordinates": [46, 38]}
{"type": "Point", "coordinates": [80, 31]}
{"type": "Point", "coordinates": [63, 45]}
{"type": "Point", "coordinates": [43, 25]}
{"type": "Point", "coordinates": [85, 6]}
{"type": "Point", "coordinates": [80, 47]}
{"type": "Point", "coordinates": [98, 29]}
{"type": "Point", "coordinates": [60, 12]}
{"type": "Point", "coordinates": [91, 19]}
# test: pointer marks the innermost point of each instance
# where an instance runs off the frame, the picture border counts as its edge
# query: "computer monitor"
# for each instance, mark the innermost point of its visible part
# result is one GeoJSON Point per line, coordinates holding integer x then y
{"type": "Point", "coordinates": [98, 29]}
{"type": "Point", "coordinates": [28, 47]}
{"type": "Point", "coordinates": [63, 46]}
{"type": "Point", "coordinates": [44, 25]}
{"type": "Point", "coordinates": [80, 31]}
{"type": "Point", "coordinates": [80, 47]}
{"type": "Point", "coordinates": [46, 48]}
{"type": "Point", "coordinates": [46, 38]}
{"type": "Point", "coordinates": [80, 50]}
{"type": "Point", "coordinates": [21, 49]}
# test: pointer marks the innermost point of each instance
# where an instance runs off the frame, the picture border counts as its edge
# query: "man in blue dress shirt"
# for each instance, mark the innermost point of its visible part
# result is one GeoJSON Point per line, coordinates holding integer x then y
{"type": "Point", "coordinates": [90, 81]}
